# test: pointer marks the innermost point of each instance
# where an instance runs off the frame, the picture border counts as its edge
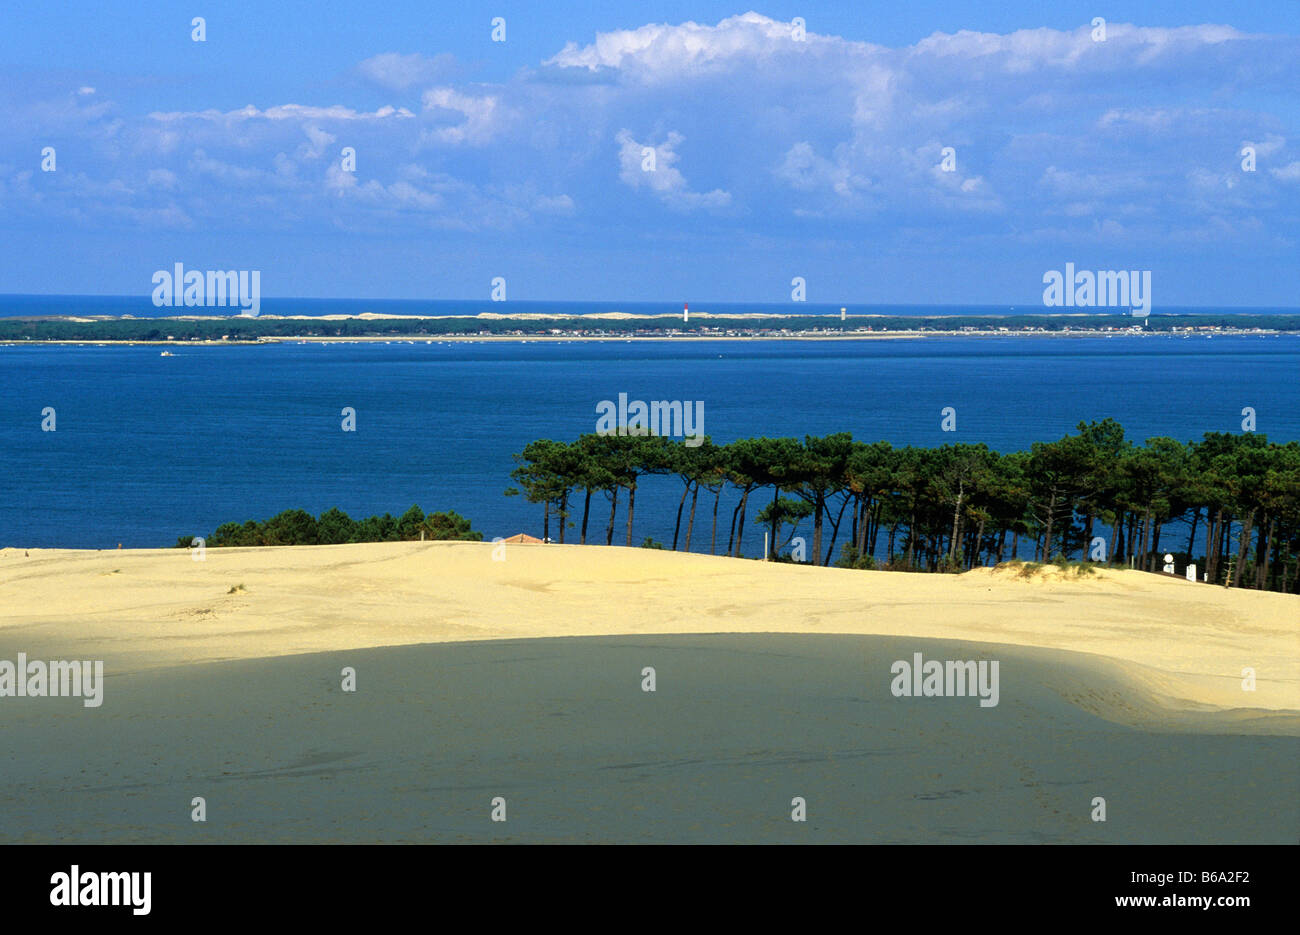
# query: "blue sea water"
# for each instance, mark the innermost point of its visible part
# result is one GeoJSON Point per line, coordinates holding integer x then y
{"type": "Point", "coordinates": [148, 448]}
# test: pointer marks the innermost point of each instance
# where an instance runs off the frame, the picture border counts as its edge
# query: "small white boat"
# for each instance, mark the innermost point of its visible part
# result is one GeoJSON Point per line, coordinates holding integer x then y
{"type": "Point", "coordinates": [166, 354]}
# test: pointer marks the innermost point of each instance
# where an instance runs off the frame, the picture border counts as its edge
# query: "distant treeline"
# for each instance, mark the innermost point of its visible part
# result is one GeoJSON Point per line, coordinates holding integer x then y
{"type": "Point", "coordinates": [236, 328]}
{"type": "Point", "coordinates": [1093, 495]}
{"type": "Point", "coordinates": [334, 527]}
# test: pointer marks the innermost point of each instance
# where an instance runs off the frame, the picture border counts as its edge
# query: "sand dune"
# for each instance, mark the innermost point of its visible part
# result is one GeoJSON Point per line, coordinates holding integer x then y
{"type": "Point", "coordinates": [1188, 643]}
{"type": "Point", "coordinates": [738, 727]}
{"type": "Point", "coordinates": [522, 679]}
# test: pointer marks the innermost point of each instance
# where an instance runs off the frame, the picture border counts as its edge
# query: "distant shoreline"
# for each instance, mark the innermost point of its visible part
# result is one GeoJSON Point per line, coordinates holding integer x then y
{"type": "Point", "coordinates": [366, 328]}
{"type": "Point", "coordinates": [680, 338]}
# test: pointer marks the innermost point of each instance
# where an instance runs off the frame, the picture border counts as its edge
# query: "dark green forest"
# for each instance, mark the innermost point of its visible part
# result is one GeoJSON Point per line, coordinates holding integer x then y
{"type": "Point", "coordinates": [334, 527]}
{"type": "Point", "coordinates": [1229, 503]}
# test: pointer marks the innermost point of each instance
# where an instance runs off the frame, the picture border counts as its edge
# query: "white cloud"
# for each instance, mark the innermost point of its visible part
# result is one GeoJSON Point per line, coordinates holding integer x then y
{"type": "Point", "coordinates": [806, 171]}
{"type": "Point", "coordinates": [482, 117]}
{"type": "Point", "coordinates": [283, 112]}
{"type": "Point", "coordinates": [1029, 50]}
{"type": "Point", "coordinates": [652, 167]}
{"type": "Point", "coordinates": [660, 50]}
{"type": "Point", "coordinates": [399, 72]}
{"type": "Point", "coordinates": [318, 139]}
{"type": "Point", "coordinates": [1289, 172]}
{"type": "Point", "coordinates": [201, 163]}
{"type": "Point", "coordinates": [1149, 118]}
{"type": "Point", "coordinates": [337, 180]}
{"type": "Point", "coordinates": [1270, 144]}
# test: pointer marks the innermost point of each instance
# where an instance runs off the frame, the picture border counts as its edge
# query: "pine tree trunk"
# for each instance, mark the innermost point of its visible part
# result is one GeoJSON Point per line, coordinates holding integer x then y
{"type": "Point", "coordinates": [1261, 551]}
{"type": "Point", "coordinates": [1223, 545]}
{"type": "Point", "coordinates": [956, 516]}
{"type": "Point", "coordinates": [740, 528]}
{"type": "Point", "coordinates": [613, 508]}
{"type": "Point", "coordinates": [731, 537]}
{"type": "Point", "coordinates": [853, 531]}
{"type": "Point", "coordinates": [776, 494]}
{"type": "Point", "coordinates": [1047, 535]}
{"type": "Point", "coordinates": [631, 505]}
{"type": "Point", "coordinates": [835, 532]}
{"type": "Point", "coordinates": [1212, 547]}
{"type": "Point", "coordinates": [865, 509]}
{"type": "Point", "coordinates": [690, 524]}
{"type": "Point", "coordinates": [586, 509]}
{"type": "Point", "coordinates": [680, 506]}
{"type": "Point", "coordinates": [1242, 543]}
{"type": "Point", "coordinates": [713, 537]}
{"type": "Point", "coordinates": [1191, 540]}
{"type": "Point", "coordinates": [818, 504]}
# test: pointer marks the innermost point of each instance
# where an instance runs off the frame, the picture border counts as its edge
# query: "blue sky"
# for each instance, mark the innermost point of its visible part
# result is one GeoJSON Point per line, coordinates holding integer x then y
{"type": "Point", "coordinates": [775, 155]}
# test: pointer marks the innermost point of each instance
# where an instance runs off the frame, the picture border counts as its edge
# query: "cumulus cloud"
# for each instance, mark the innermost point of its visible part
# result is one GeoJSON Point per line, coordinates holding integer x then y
{"type": "Point", "coordinates": [479, 117]}
{"type": "Point", "coordinates": [644, 166]}
{"type": "Point", "coordinates": [659, 51]}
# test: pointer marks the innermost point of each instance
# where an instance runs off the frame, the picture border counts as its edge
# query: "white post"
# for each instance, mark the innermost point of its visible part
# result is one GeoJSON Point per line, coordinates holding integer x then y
{"type": "Point", "coordinates": [1191, 572]}
{"type": "Point", "coordinates": [764, 546]}
{"type": "Point", "coordinates": [842, 314]}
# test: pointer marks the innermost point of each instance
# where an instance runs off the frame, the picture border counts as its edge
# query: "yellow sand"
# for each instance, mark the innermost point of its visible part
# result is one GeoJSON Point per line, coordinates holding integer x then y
{"type": "Point", "coordinates": [1181, 643]}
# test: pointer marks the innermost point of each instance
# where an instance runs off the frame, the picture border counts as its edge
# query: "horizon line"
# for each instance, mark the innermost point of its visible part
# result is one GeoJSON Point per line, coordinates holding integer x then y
{"type": "Point", "coordinates": [1097, 310]}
